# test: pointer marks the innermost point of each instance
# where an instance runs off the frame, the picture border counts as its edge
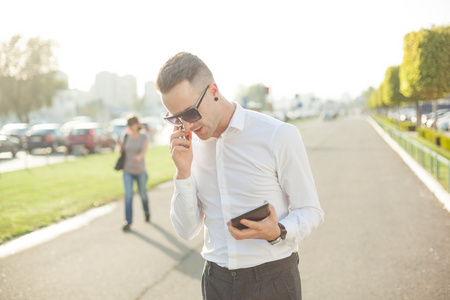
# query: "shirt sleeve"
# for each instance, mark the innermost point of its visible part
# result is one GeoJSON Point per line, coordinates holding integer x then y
{"type": "Point", "coordinates": [296, 180]}
{"type": "Point", "coordinates": [185, 211]}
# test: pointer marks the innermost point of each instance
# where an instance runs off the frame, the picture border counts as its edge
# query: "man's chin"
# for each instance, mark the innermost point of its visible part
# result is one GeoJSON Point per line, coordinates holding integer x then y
{"type": "Point", "coordinates": [202, 133]}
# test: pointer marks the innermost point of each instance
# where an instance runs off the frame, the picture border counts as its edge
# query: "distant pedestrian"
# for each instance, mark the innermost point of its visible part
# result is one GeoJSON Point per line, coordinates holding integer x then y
{"type": "Point", "coordinates": [238, 160]}
{"type": "Point", "coordinates": [134, 169]}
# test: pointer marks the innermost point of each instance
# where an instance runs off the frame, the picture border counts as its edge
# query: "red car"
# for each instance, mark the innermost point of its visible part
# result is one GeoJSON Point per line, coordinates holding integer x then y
{"type": "Point", "coordinates": [90, 136]}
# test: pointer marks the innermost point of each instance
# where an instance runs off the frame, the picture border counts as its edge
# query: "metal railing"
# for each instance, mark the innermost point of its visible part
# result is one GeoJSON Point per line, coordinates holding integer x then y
{"type": "Point", "coordinates": [437, 165]}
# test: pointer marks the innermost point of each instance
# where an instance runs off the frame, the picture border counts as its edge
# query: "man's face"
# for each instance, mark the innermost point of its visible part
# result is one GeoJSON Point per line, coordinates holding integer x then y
{"type": "Point", "coordinates": [183, 97]}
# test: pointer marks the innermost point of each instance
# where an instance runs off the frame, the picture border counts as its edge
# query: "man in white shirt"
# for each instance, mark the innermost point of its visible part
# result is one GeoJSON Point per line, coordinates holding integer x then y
{"type": "Point", "coordinates": [238, 160]}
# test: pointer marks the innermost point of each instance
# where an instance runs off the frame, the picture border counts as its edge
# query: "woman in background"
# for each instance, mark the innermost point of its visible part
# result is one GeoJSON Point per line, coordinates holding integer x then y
{"type": "Point", "coordinates": [135, 147]}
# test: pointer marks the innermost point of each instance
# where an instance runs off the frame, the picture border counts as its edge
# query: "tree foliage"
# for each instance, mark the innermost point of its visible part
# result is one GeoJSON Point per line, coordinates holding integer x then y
{"type": "Point", "coordinates": [255, 95]}
{"type": "Point", "coordinates": [375, 98]}
{"type": "Point", "coordinates": [379, 97]}
{"type": "Point", "coordinates": [28, 76]}
{"type": "Point", "coordinates": [367, 93]}
{"type": "Point", "coordinates": [391, 87]}
{"type": "Point", "coordinates": [425, 71]}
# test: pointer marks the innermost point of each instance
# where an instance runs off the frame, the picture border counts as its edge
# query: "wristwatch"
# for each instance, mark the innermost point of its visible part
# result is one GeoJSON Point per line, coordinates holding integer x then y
{"type": "Point", "coordinates": [282, 236]}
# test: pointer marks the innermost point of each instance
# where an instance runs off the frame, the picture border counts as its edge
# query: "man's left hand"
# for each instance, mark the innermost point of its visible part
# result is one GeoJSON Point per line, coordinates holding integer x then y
{"type": "Point", "coordinates": [266, 229]}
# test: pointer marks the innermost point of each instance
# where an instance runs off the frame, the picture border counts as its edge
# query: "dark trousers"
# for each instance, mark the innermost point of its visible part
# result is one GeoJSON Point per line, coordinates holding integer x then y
{"type": "Point", "coordinates": [276, 280]}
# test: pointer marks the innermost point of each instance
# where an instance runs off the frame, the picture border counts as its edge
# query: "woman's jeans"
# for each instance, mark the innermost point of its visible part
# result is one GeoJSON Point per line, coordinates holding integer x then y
{"type": "Point", "coordinates": [141, 180]}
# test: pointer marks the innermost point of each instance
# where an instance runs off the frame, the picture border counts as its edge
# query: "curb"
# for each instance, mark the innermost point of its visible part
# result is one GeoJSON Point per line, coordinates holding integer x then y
{"type": "Point", "coordinates": [435, 187]}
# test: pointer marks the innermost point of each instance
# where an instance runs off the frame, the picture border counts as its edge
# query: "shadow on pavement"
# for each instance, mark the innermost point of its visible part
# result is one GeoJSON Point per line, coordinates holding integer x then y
{"type": "Point", "coordinates": [171, 238]}
{"type": "Point", "coordinates": [181, 255]}
{"type": "Point", "coordinates": [168, 251]}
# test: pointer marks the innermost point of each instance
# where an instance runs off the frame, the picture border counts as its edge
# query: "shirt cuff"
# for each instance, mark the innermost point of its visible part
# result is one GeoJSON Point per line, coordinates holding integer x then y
{"type": "Point", "coordinates": [290, 236]}
{"type": "Point", "coordinates": [184, 186]}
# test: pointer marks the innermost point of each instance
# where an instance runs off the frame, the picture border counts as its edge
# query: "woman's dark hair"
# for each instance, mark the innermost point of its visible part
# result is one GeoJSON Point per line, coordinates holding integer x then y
{"type": "Point", "coordinates": [132, 120]}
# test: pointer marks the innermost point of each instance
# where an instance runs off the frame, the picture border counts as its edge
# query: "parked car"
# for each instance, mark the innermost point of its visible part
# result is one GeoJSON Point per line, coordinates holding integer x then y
{"type": "Point", "coordinates": [443, 122]}
{"type": "Point", "coordinates": [44, 136]}
{"type": "Point", "coordinates": [117, 127]}
{"type": "Point", "coordinates": [431, 117]}
{"type": "Point", "coordinates": [76, 120]}
{"type": "Point", "coordinates": [408, 114]}
{"type": "Point", "coordinates": [18, 130]}
{"type": "Point", "coordinates": [9, 143]}
{"type": "Point", "coordinates": [329, 115]}
{"type": "Point", "coordinates": [151, 126]}
{"type": "Point", "coordinates": [90, 136]}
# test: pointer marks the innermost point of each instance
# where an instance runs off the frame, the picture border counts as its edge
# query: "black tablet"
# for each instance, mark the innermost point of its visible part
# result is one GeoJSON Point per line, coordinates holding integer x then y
{"type": "Point", "coordinates": [256, 214]}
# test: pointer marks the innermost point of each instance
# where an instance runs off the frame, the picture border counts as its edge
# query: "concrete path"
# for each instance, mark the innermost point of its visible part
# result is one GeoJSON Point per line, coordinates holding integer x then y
{"type": "Point", "coordinates": [385, 236]}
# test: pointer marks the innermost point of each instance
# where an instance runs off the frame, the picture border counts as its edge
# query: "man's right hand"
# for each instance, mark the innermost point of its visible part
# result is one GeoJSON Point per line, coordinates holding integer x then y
{"type": "Point", "coordinates": [181, 152]}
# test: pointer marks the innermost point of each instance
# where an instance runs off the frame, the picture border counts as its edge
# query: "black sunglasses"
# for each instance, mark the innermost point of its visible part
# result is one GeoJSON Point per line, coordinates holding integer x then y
{"type": "Point", "coordinates": [190, 115]}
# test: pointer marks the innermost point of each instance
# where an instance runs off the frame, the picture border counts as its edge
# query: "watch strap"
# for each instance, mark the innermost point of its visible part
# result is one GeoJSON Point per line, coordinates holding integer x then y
{"type": "Point", "coordinates": [283, 231]}
{"type": "Point", "coordinates": [282, 236]}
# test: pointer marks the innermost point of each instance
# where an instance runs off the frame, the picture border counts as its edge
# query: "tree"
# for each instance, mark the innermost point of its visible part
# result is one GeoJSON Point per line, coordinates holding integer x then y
{"type": "Point", "coordinates": [367, 93]}
{"type": "Point", "coordinates": [370, 103]}
{"type": "Point", "coordinates": [374, 99]}
{"type": "Point", "coordinates": [369, 96]}
{"type": "Point", "coordinates": [425, 70]}
{"type": "Point", "coordinates": [379, 97]}
{"type": "Point", "coordinates": [94, 109]}
{"type": "Point", "coordinates": [28, 76]}
{"type": "Point", "coordinates": [391, 87]}
{"type": "Point", "coordinates": [256, 96]}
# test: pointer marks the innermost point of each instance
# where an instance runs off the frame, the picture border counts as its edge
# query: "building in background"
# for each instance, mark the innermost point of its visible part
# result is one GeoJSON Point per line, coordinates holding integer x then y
{"type": "Point", "coordinates": [152, 100]}
{"type": "Point", "coordinates": [112, 95]}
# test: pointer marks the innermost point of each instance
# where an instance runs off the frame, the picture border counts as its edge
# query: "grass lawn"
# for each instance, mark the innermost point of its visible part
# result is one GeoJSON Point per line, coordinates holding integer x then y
{"type": "Point", "coordinates": [37, 197]}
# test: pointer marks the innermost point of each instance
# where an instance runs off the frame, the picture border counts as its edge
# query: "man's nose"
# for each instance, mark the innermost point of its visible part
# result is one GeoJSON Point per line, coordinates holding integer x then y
{"type": "Point", "coordinates": [187, 125]}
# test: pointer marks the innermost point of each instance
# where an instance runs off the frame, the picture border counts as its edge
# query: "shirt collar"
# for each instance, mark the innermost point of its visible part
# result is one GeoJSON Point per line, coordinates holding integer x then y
{"type": "Point", "coordinates": [238, 119]}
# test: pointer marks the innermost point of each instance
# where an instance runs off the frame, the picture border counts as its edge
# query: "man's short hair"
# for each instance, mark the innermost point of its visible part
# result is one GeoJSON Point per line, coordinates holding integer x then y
{"type": "Point", "coordinates": [183, 66]}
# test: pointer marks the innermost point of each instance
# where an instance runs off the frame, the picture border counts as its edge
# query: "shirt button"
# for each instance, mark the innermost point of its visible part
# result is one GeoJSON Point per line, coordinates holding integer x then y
{"type": "Point", "coordinates": [233, 274]}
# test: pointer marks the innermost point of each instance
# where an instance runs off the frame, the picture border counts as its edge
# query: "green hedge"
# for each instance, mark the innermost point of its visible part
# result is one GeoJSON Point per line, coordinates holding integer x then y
{"type": "Point", "coordinates": [407, 126]}
{"type": "Point", "coordinates": [445, 142]}
{"type": "Point", "coordinates": [430, 134]}
{"type": "Point", "coordinates": [403, 126]}
{"type": "Point", "coordinates": [436, 137]}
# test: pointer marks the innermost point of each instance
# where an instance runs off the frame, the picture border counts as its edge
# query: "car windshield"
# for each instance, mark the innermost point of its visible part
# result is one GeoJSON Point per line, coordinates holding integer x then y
{"type": "Point", "coordinates": [16, 131]}
{"type": "Point", "coordinates": [119, 128]}
{"type": "Point", "coordinates": [80, 131]}
{"type": "Point", "coordinates": [42, 131]}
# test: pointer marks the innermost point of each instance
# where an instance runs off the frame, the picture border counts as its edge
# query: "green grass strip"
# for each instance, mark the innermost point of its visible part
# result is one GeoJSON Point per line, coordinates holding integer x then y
{"type": "Point", "coordinates": [35, 198]}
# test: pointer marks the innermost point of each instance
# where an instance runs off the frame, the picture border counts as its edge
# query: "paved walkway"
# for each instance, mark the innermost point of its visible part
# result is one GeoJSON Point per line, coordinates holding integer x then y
{"type": "Point", "coordinates": [385, 236]}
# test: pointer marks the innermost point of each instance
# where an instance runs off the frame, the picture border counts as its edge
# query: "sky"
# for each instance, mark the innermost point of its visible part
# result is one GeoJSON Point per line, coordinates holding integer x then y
{"type": "Point", "coordinates": [332, 49]}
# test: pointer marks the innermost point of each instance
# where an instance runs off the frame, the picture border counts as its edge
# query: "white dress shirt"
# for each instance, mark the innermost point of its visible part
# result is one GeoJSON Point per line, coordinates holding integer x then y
{"type": "Point", "coordinates": [256, 158]}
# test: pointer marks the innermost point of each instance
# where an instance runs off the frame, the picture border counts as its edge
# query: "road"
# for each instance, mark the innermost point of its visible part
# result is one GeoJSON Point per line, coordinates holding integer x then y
{"type": "Point", "coordinates": [39, 158]}
{"type": "Point", "coordinates": [385, 236]}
